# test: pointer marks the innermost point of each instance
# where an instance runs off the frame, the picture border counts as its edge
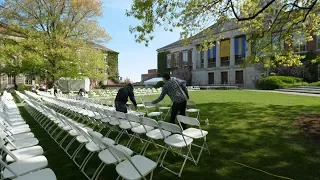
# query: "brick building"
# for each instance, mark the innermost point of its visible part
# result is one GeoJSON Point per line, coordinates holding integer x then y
{"type": "Point", "coordinates": [152, 73]}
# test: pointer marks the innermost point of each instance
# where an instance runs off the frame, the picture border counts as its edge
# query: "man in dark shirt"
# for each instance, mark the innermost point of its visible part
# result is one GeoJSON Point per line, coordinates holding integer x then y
{"type": "Point", "coordinates": [178, 94]}
{"type": "Point", "coordinates": [122, 98]}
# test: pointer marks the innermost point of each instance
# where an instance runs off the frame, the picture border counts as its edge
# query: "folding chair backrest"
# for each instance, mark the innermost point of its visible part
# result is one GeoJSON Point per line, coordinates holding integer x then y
{"type": "Point", "coordinates": [188, 120]}
{"type": "Point", "coordinates": [191, 103]}
{"type": "Point", "coordinates": [149, 105]}
{"type": "Point", "coordinates": [97, 138]}
{"type": "Point", "coordinates": [134, 118]}
{"type": "Point", "coordinates": [120, 115]}
{"type": "Point", "coordinates": [170, 127]}
{"type": "Point", "coordinates": [149, 122]}
{"type": "Point", "coordinates": [110, 113]}
{"type": "Point", "coordinates": [118, 153]}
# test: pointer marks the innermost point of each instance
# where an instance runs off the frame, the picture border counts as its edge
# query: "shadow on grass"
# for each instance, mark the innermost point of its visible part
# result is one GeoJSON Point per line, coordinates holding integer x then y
{"type": "Point", "coordinates": [262, 137]}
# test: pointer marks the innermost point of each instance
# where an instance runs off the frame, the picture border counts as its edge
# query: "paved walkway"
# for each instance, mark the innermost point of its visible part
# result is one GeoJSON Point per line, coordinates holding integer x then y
{"type": "Point", "coordinates": [292, 93]}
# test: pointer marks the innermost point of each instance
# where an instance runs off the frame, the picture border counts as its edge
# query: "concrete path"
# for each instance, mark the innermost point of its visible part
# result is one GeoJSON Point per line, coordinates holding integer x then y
{"type": "Point", "coordinates": [292, 93]}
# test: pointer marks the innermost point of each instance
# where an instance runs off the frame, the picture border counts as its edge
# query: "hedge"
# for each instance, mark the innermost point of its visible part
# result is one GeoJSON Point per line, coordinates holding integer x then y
{"type": "Point", "coordinates": [159, 84]}
{"type": "Point", "coordinates": [22, 87]}
{"type": "Point", "coordinates": [278, 82]}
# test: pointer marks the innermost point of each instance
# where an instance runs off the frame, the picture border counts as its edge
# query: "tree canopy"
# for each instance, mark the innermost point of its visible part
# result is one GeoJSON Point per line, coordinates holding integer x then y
{"type": "Point", "coordinates": [265, 22]}
{"type": "Point", "coordinates": [55, 36]}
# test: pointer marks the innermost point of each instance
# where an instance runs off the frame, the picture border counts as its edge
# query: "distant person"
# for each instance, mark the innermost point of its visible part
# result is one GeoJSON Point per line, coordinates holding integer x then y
{"type": "Point", "coordinates": [122, 98]}
{"type": "Point", "coordinates": [178, 94]}
{"type": "Point", "coordinates": [55, 89]}
{"type": "Point", "coordinates": [82, 92]}
{"type": "Point", "coordinates": [15, 86]}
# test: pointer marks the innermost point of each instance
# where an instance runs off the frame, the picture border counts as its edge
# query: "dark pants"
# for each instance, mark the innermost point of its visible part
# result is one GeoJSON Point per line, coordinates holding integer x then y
{"type": "Point", "coordinates": [178, 108]}
{"type": "Point", "coordinates": [121, 107]}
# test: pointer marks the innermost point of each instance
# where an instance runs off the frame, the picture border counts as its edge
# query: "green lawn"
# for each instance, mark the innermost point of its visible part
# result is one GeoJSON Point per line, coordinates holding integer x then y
{"type": "Point", "coordinates": [255, 129]}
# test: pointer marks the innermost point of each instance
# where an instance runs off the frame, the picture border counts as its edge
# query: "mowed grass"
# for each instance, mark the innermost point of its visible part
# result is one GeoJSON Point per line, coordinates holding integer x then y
{"type": "Point", "coordinates": [251, 136]}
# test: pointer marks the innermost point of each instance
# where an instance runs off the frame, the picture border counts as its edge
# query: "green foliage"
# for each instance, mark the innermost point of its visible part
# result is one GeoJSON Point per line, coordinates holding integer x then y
{"type": "Point", "coordinates": [22, 87]}
{"type": "Point", "coordinates": [53, 37]}
{"type": "Point", "coordinates": [278, 82]}
{"type": "Point", "coordinates": [267, 26]}
{"type": "Point", "coordinates": [315, 83]}
{"type": "Point", "coordinates": [113, 72]}
{"type": "Point", "coordinates": [159, 84]}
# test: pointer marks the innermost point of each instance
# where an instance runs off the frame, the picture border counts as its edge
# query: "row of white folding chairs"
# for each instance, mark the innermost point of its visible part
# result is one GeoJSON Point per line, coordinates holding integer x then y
{"type": "Point", "coordinates": [108, 156]}
{"type": "Point", "coordinates": [142, 126]}
{"type": "Point", "coordinates": [19, 147]}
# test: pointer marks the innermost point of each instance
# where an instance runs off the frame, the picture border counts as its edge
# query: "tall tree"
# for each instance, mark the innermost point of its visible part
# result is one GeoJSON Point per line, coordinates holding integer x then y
{"type": "Point", "coordinates": [266, 22]}
{"type": "Point", "coordinates": [55, 34]}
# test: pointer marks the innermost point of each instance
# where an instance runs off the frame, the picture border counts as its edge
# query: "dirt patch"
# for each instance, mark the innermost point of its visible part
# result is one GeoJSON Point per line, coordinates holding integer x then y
{"type": "Point", "coordinates": [310, 124]}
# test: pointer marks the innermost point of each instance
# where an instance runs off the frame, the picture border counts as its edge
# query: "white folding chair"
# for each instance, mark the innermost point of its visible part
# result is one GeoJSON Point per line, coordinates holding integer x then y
{"type": "Point", "coordinates": [135, 167]}
{"type": "Point", "coordinates": [149, 107]}
{"type": "Point", "coordinates": [194, 133]}
{"type": "Point", "coordinates": [176, 140]}
{"type": "Point", "coordinates": [192, 108]}
{"type": "Point", "coordinates": [105, 156]}
{"type": "Point", "coordinates": [155, 134]}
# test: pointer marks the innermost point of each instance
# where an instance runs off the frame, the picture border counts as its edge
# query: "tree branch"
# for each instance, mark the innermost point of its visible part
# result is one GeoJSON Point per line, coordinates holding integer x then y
{"type": "Point", "coordinates": [254, 15]}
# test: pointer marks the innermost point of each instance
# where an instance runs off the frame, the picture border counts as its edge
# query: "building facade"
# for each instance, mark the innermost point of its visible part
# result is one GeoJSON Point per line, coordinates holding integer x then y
{"type": "Point", "coordinates": [152, 73]}
{"type": "Point", "coordinates": [221, 64]}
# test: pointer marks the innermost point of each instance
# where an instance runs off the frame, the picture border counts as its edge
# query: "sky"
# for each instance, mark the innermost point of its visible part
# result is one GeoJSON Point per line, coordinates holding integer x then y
{"type": "Point", "coordinates": [134, 59]}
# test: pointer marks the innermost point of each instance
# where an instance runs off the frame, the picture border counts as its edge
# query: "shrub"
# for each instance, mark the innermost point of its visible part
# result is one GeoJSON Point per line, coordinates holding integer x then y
{"type": "Point", "coordinates": [315, 84]}
{"type": "Point", "coordinates": [277, 82]}
{"type": "Point", "coordinates": [270, 83]}
{"type": "Point", "coordinates": [159, 84]}
{"type": "Point", "coordinates": [22, 87]}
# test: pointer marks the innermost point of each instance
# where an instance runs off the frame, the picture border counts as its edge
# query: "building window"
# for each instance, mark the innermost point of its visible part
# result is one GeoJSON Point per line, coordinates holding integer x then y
{"type": "Point", "coordinates": [10, 80]}
{"type": "Point", "coordinates": [185, 58]}
{"type": "Point", "coordinates": [176, 60]}
{"type": "Point", "coordinates": [168, 60]}
{"type": "Point", "coordinates": [225, 52]}
{"type": "Point", "coordinates": [212, 56]}
{"type": "Point", "coordinates": [28, 80]}
{"type": "Point", "coordinates": [318, 42]}
{"type": "Point", "coordinates": [240, 49]}
{"type": "Point", "coordinates": [202, 59]}
{"type": "Point", "coordinates": [299, 43]}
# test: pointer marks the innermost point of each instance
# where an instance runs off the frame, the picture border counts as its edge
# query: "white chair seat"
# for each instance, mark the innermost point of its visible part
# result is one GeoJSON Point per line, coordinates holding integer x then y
{"type": "Point", "coordinates": [23, 143]}
{"type": "Point", "coordinates": [46, 174]}
{"type": "Point", "coordinates": [22, 136]}
{"type": "Point", "coordinates": [105, 120]}
{"type": "Point", "coordinates": [88, 129]}
{"type": "Point", "coordinates": [22, 126]}
{"type": "Point", "coordinates": [141, 130]}
{"type": "Point", "coordinates": [152, 114]}
{"type": "Point", "coordinates": [108, 140]}
{"type": "Point", "coordinates": [106, 157]}
{"type": "Point", "coordinates": [195, 133]}
{"type": "Point", "coordinates": [137, 113]}
{"type": "Point", "coordinates": [177, 141]}
{"type": "Point", "coordinates": [67, 128]}
{"type": "Point", "coordinates": [156, 134]}
{"type": "Point", "coordinates": [92, 147]}
{"type": "Point", "coordinates": [117, 122]}
{"type": "Point", "coordinates": [192, 110]}
{"type": "Point", "coordinates": [25, 153]}
{"type": "Point", "coordinates": [144, 165]}
{"type": "Point", "coordinates": [164, 108]}
{"type": "Point", "coordinates": [140, 105]}
{"type": "Point", "coordinates": [25, 166]}
{"type": "Point", "coordinates": [17, 123]}
{"type": "Point", "coordinates": [73, 133]}
{"type": "Point", "coordinates": [20, 131]}
{"type": "Point", "coordinates": [82, 139]}
{"type": "Point", "coordinates": [128, 125]}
